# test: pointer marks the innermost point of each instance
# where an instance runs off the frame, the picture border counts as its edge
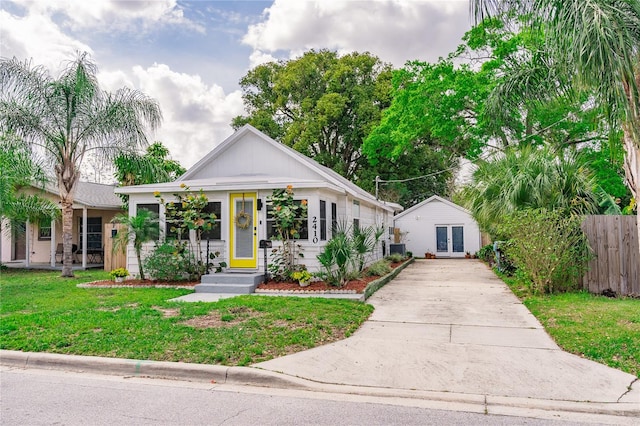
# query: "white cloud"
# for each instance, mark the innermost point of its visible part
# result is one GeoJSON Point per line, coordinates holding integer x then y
{"type": "Point", "coordinates": [197, 117]}
{"type": "Point", "coordinates": [394, 30]}
{"type": "Point", "coordinates": [111, 15]}
{"type": "Point", "coordinates": [36, 36]}
{"type": "Point", "coordinates": [258, 57]}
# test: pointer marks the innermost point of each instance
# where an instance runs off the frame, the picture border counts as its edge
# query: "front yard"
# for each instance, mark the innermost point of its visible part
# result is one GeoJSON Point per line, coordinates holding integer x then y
{"type": "Point", "coordinates": [42, 312]}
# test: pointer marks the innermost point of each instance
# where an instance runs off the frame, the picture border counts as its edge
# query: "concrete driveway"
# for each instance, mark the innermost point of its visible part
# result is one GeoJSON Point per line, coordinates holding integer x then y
{"type": "Point", "coordinates": [453, 326]}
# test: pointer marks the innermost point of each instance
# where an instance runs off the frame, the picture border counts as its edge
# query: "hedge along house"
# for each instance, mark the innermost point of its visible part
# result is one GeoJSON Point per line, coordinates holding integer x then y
{"type": "Point", "coordinates": [38, 245]}
{"type": "Point", "coordinates": [440, 227]}
{"type": "Point", "coordinates": [238, 176]}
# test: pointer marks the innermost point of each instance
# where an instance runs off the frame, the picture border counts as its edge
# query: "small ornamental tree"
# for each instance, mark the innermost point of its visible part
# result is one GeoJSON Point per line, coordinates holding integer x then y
{"type": "Point", "coordinates": [289, 218]}
{"type": "Point", "coordinates": [188, 212]}
{"type": "Point", "coordinates": [139, 229]}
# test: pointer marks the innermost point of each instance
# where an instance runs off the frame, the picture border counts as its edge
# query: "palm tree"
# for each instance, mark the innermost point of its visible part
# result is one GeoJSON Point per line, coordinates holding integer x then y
{"type": "Point", "coordinates": [154, 166]}
{"type": "Point", "coordinates": [595, 44]}
{"type": "Point", "coordinates": [528, 177]}
{"type": "Point", "coordinates": [17, 170]}
{"type": "Point", "coordinates": [70, 116]}
{"type": "Point", "coordinates": [139, 229]}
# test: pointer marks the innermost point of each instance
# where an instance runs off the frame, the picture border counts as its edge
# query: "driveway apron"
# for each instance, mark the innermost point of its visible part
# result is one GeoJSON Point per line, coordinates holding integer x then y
{"type": "Point", "coordinates": [453, 326]}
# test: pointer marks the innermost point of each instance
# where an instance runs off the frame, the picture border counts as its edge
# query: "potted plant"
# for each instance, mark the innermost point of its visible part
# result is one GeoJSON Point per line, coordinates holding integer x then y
{"type": "Point", "coordinates": [303, 277]}
{"type": "Point", "coordinates": [119, 274]}
{"type": "Point", "coordinates": [467, 255]}
{"type": "Point", "coordinates": [429, 255]}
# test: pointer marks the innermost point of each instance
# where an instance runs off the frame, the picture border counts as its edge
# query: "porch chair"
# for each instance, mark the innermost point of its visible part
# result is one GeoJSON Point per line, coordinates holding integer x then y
{"type": "Point", "coordinates": [60, 252]}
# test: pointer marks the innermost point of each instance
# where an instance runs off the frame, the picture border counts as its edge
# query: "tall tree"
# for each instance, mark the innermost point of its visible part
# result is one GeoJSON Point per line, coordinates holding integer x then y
{"type": "Point", "coordinates": [591, 44]}
{"type": "Point", "coordinates": [154, 166]}
{"type": "Point", "coordinates": [70, 116]}
{"type": "Point", "coordinates": [323, 105]}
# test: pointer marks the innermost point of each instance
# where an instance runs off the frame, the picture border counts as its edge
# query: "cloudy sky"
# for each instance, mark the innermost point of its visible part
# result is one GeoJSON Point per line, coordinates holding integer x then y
{"type": "Point", "coordinates": [190, 55]}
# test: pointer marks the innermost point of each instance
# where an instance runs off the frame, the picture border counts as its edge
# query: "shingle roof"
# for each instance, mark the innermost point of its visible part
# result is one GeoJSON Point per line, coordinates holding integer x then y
{"type": "Point", "coordinates": [93, 195]}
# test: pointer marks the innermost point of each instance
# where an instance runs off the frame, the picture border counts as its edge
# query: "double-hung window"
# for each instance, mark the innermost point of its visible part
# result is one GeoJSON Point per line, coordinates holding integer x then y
{"type": "Point", "coordinates": [214, 233]}
{"type": "Point", "coordinates": [273, 233]}
{"type": "Point", "coordinates": [153, 208]}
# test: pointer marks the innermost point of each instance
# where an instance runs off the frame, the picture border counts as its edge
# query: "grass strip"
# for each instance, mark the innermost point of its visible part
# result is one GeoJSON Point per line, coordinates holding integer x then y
{"type": "Point", "coordinates": [602, 329]}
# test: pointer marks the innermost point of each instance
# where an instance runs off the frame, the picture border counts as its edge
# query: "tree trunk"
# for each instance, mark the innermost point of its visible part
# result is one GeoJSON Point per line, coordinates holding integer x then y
{"type": "Point", "coordinates": [632, 170]}
{"type": "Point", "coordinates": [67, 229]}
{"type": "Point", "coordinates": [139, 256]}
{"type": "Point", "coordinates": [67, 180]}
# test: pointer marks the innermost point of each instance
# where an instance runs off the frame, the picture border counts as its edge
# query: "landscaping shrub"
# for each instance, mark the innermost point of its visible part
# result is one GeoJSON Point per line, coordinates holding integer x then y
{"type": "Point", "coordinates": [487, 254]}
{"type": "Point", "coordinates": [289, 217]}
{"type": "Point", "coordinates": [173, 261]}
{"type": "Point", "coordinates": [379, 268]}
{"type": "Point", "coordinates": [337, 259]}
{"type": "Point", "coordinates": [344, 256]}
{"type": "Point", "coordinates": [549, 247]}
{"type": "Point", "coordinates": [395, 258]}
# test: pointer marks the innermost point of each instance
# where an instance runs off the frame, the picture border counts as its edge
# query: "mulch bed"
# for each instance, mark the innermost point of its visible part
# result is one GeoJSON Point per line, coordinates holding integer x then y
{"type": "Point", "coordinates": [353, 286]}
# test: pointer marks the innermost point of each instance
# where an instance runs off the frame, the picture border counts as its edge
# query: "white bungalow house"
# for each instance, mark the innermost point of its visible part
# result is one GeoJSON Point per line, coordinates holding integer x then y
{"type": "Point", "coordinates": [40, 244]}
{"type": "Point", "coordinates": [440, 227]}
{"type": "Point", "coordinates": [239, 175]}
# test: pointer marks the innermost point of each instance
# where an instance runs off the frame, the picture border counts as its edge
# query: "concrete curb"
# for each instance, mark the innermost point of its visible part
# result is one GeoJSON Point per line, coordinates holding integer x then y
{"type": "Point", "coordinates": [251, 376]}
{"type": "Point", "coordinates": [381, 282]}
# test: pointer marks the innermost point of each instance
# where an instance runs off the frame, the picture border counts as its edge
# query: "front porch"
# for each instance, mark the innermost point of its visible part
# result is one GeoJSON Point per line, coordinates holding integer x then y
{"type": "Point", "coordinates": [21, 264]}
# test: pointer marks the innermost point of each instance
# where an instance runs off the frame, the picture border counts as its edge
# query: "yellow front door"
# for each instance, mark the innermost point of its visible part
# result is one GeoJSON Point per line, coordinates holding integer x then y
{"type": "Point", "coordinates": [243, 230]}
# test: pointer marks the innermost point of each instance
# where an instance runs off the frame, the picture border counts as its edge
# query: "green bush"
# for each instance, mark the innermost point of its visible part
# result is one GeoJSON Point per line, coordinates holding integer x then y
{"type": "Point", "coordinates": [337, 259]}
{"type": "Point", "coordinates": [487, 254]}
{"type": "Point", "coordinates": [395, 258]}
{"type": "Point", "coordinates": [379, 268]}
{"type": "Point", "coordinates": [548, 247]}
{"type": "Point", "coordinates": [344, 256]}
{"type": "Point", "coordinates": [173, 261]}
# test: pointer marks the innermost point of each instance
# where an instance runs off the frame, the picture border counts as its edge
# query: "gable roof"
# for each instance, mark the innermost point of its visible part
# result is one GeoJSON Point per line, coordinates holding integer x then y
{"type": "Point", "coordinates": [94, 195]}
{"type": "Point", "coordinates": [332, 179]}
{"type": "Point", "coordinates": [430, 200]}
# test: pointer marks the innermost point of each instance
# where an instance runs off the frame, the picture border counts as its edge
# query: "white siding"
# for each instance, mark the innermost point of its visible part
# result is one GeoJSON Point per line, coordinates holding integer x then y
{"type": "Point", "coordinates": [250, 155]}
{"type": "Point", "coordinates": [420, 225]}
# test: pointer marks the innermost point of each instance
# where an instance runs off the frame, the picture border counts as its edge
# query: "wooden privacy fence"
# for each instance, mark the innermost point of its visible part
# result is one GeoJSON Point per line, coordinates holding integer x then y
{"type": "Point", "coordinates": [616, 266]}
{"type": "Point", "coordinates": [113, 260]}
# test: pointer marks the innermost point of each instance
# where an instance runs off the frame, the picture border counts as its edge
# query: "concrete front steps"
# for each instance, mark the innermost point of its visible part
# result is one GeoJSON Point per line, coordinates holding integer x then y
{"type": "Point", "coordinates": [230, 282]}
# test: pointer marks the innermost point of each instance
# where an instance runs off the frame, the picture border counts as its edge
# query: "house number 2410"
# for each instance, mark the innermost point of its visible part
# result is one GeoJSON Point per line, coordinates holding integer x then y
{"type": "Point", "coordinates": [314, 226]}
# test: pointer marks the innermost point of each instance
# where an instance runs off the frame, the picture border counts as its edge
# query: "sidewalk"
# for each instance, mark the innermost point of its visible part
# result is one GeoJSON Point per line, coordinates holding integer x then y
{"type": "Point", "coordinates": [444, 331]}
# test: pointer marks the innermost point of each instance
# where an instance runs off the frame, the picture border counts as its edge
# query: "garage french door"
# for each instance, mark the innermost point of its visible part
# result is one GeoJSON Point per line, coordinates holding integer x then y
{"type": "Point", "coordinates": [450, 240]}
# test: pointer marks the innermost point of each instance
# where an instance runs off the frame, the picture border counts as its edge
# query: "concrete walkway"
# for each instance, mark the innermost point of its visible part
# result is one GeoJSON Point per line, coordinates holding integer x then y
{"type": "Point", "coordinates": [453, 326]}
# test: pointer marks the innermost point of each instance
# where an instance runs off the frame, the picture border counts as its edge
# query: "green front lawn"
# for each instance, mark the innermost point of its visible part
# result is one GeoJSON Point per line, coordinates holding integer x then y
{"type": "Point", "coordinates": [41, 312]}
{"type": "Point", "coordinates": [599, 328]}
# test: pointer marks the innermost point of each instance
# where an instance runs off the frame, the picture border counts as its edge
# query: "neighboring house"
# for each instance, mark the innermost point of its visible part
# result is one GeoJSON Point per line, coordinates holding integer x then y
{"type": "Point", "coordinates": [94, 207]}
{"type": "Point", "coordinates": [438, 226]}
{"type": "Point", "coordinates": [239, 175]}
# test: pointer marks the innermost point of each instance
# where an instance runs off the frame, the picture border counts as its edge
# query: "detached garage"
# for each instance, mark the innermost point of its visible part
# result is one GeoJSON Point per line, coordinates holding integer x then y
{"type": "Point", "coordinates": [438, 226]}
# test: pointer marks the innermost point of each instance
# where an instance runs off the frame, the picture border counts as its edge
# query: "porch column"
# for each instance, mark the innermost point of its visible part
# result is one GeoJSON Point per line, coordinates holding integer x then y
{"type": "Point", "coordinates": [27, 244]}
{"type": "Point", "coordinates": [84, 238]}
{"type": "Point", "coordinates": [52, 249]}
